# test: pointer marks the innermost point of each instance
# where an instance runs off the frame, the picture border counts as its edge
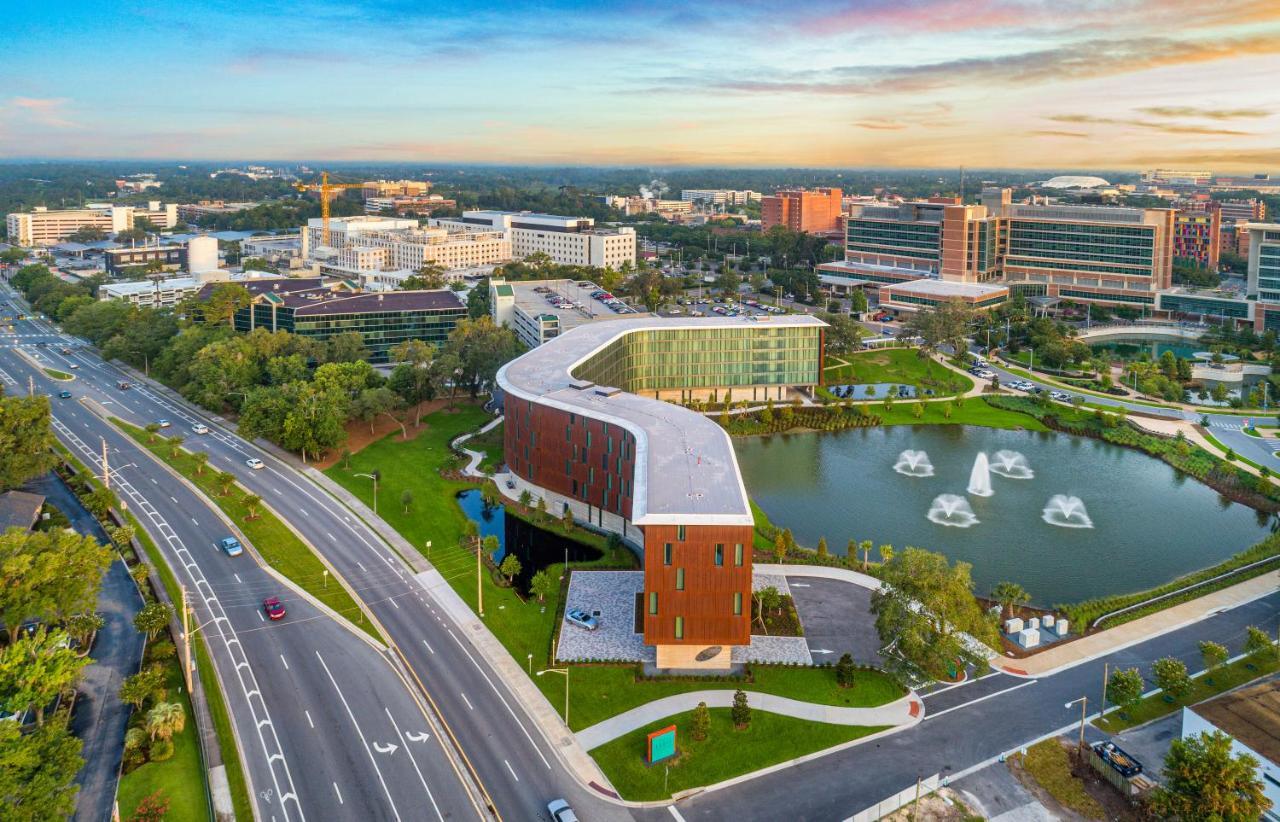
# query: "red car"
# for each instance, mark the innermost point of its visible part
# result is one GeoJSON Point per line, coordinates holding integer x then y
{"type": "Point", "coordinates": [274, 608]}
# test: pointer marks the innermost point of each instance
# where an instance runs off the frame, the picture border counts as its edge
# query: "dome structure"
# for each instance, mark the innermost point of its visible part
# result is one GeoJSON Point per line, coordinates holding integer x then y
{"type": "Point", "coordinates": [1073, 181]}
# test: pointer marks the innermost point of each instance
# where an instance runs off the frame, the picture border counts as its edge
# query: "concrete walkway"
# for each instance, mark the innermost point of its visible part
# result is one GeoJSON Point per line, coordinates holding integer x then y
{"type": "Point", "coordinates": [472, 468]}
{"type": "Point", "coordinates": [903, 712]}
{"type": "Point", "coordinates": [1066, 654]}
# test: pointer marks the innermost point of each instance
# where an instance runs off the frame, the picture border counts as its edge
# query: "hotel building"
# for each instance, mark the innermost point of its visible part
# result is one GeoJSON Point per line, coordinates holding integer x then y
{"type": "Point", "coordinates": [816, 211]}
{"type": "Point", "coordinates": [587, 426]}
{"type": "Point", "coordinates": [566, 240]}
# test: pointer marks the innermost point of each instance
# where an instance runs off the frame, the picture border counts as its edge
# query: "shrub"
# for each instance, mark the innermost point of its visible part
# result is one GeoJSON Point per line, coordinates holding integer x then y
{"type": "Point", "coordinates": [845, 671]}
{"type": "Point", "coordinates": [741, 711]}
{"type": "Point", "coordinates": [700, 723]}
{"type": "Point", "coordinates": [1171, 677]}
{"type": "Point", "coordinates": [161, 749]}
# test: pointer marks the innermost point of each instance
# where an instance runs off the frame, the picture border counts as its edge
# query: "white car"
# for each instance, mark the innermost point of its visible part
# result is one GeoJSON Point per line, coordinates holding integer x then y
{"type": "Point", "coordinates": [255, 463]}
{"type": "Point", "coordinates": [200, 428]}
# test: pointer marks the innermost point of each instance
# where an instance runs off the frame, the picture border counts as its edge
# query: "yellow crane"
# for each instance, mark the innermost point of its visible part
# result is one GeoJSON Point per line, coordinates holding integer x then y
{"type": "Point", "coordinates": [327, 190]}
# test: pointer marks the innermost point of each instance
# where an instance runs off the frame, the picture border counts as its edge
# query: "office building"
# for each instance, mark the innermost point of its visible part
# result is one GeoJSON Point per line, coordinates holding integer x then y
{"type": "Point", "coordinates": [918, 294]}
{"type": "Point", "coordinates": [167, 257]}
{"type": "Point", "coordinates": [320, 309]}
{"type": "Point", "coordinates": [275, 249]}
{"type": "Point", "coordinates": [42, 227]}
{"type": "Point", "coordinates": [815, 211]}
{"type": "Point", "coordinates": [407, 205]}
{"type": "Point", "coordinates": [195, 212]}
{"type": "Point", "coordinates": [1197, 236]}
{"type": "Point", "coordinates": [1263, 280]}
{"type": "Point", "coordinates": [360, 245]}
{"type": "Point", "coordinates": [586, 428]}
{"type": "Point", "coordinates": [1251, 210]}
{"type": "Point", "coordinates": [161, 216]}
{"type": "Point", "coordinates": [566, 240]}
{"type": "Point", "coordinates": [720, 196]}
{"type": "Point", "coordinates": [152, 293]}
{"type": "Point", "coordinates": [1177, 177]}
{"type": "Point", "coordinates": [1251, 718]}
{"type": "Point", "coordinates": [541, 310]}
{"type": "Point", "coordinates": [395, 188]}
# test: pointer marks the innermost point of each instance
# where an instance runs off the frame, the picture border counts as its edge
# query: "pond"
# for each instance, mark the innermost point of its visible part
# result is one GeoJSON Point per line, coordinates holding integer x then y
{"type": "Point", "coordinates": [1132, 349]}
{"type": "Point", "coordinates": [1068, 518]}
{"type": "Point", "coordinates": [536, 548]}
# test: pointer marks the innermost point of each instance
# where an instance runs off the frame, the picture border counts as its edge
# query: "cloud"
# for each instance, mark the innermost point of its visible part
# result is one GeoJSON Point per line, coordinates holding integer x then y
{"type": "Point", "coordinates": [1048, 132]}
{"type": "Point", "coordinates": [1206, 113]}
{"type": "Point", "coordinates": [881, 124]}
{"type": "Point", "coordinates": [48, 111]}
{"type": "Point", "coordinates": [1167, 128]}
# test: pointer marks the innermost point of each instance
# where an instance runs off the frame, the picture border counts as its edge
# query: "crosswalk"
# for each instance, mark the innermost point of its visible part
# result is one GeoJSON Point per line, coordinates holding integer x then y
{"type": "Point", "coordinates": [1227, 426]}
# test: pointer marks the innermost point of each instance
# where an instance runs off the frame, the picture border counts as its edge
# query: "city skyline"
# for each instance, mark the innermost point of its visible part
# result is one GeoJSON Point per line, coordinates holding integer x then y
{"type": "Point", "coordinates": [932, 83]}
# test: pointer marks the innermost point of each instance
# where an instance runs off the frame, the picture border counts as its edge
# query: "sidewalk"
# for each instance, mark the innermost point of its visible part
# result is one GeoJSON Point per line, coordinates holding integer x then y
{"type": "Point", "coordinates": [902, 712]}
{"type": "Point", "coordinates": [1194, 434]}
{"type": "Point", "coordinates": [1065, 655]}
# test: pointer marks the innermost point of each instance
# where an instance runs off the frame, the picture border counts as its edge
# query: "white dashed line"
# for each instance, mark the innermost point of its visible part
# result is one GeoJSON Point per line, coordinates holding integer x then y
{"type": "Point", "coordinates": [338, 792]}
{"type": "Point", "coordinates": [464, 699]}
{"type": "Point", "coordinates": [260, 616]}
{"type": "Point", "coordinates": [309, 722]}
{"type": "Point", "coordinates": [429, 648]}
{"type": "Point", "coordinates": [237, 576]}
{"type": "Point", "coordinates": [284, 662]}
{"type": "Point", "coordinates": [513, 770]}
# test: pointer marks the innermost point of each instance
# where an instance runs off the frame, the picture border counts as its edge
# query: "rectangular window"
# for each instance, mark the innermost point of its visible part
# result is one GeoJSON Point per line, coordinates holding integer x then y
{"type": "Point", "coordinates": [680, 532]}
{"type": "Point", "coordinates": [679, 579]}
{"type": "Point", "coordinates": [653, 602]}
{"type": "Point", "coordinates": [679, 627]}
{"type": "Point", "coordinates": [737, 553]}
{"type": "Point", "coordinates": [719, 553]}
{"type": "Point", "coordinates": [568, 434]}
{"type": "Point", "coordinates": [666, 553]}
{"type": "Point", "coordinates": [575, 488]}
{"type": "Point", "coordinates": [737, 603]}
{"type": "Point", "coordinates": [568, 468]}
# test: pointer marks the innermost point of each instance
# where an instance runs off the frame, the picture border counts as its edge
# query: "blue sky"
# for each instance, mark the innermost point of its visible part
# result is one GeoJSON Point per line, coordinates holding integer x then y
{"type": "Point", "coordinates": [1083, 83]}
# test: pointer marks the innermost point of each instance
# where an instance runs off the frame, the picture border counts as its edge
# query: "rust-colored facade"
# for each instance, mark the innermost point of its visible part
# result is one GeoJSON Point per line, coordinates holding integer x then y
{"type": "Point", "coordinates": [816, 211]}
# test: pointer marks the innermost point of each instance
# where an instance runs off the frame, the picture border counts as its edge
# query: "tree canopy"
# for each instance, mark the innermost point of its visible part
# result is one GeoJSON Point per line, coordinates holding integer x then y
{"type": "Point", "coordinates": [48, 575]}
{"type": "Point", "coordinates": [26, 441]}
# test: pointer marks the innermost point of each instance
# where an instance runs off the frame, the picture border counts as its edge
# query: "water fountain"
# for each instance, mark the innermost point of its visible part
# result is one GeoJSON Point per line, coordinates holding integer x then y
{"type": "Point", "coordinates": [952, 511]}
{"type": "Point", "coordinates": [914, 464]}
{"type": "Point", "coordinates": [1066, 512]}
{"type": "Point", "coordinates": [980, 477]}
{"type": "Point", "coordinates": [1011, 464]}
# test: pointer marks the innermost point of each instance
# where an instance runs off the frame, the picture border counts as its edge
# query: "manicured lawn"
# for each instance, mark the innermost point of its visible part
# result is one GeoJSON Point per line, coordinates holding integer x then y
{"type": "Point", "coordinates": [1050, 764]}
{"type": "Point", "coordinates": [902, 366]}
{"type": "Point", "coordinates": [1224, 679]}
{"type": "Point", "coordinates": [1042, 377]}
{"type": "Point", "coordinates": [1224, 449]}
{"type": "Point", "coordinates": [973, 412]}
{"type": "Point", "coordinates": [490, 443]}
{"type": "Point", "coordinates": [56, 374]}
{"type": "Point", "coordinates": [181, 777]}
{"type": "Point", "coordinates": [597, 692]}
{"type": "Point", "coordinates": [279, 547]}
{"type": "Point", "coordinates": [725, 753]}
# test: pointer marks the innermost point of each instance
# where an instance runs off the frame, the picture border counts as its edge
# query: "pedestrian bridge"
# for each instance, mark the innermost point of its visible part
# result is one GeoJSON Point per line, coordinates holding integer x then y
{"type": "Point", "coordinates": [1143, 331]}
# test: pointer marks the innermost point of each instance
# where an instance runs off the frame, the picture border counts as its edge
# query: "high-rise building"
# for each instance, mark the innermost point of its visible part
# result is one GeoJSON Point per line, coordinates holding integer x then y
{"type": "Point", "coordinates": [816, 211]}
{"type": "Point", "coordinates": [719, 196]}
{"type": "Point", "coordinates": [395, 188]}
{"type": "Point", "coordinates": [1197, 237]}
{"type": "Point", "coordinates": [1251, 210]}
{"type": "Point", "coordinates": [359, 245]}
{"type": "Point", "coordinates": [566, 240]}
{"type": "Point", "coordinates": [42, 227]}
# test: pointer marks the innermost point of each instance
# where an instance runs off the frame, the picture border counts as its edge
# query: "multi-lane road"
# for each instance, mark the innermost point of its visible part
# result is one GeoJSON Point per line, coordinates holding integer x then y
{"type": "Point", "coordinates": [330, 727]}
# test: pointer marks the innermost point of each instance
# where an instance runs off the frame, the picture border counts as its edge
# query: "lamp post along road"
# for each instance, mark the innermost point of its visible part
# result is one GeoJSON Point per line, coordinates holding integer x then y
{"type": "Point", "coordinates": [565, 672]}
{"type": "Point", "coordinates": [374, 476]}
{"type": "Point", "coordinates": [1084, 706]}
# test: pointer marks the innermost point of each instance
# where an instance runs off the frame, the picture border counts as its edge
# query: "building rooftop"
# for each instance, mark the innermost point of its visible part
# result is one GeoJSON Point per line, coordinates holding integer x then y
{"type": "Point", "coordinates": [19, 509]}
{"type": "Point", "coordinates": [143, 286]}
{"type": "Point", "coordinates": [1251, 715]}
{"type": "Point", "coordinates": [948, 288]}
{"type": "Point", "coordinates": [686, 470]}
{"type": "Point", "coordinates": [584, 308]}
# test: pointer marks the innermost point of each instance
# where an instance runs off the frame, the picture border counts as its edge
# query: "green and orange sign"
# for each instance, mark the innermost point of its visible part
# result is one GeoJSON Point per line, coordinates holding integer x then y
{"type": "Point", "coordinates": [662, 744]}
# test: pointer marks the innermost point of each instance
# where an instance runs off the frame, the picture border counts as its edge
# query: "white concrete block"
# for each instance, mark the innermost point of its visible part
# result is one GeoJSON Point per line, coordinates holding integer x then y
{"type": "Point", "coordinates": [1060, 627]}
{"type": "Point", "coordinates": [1012, 626]}
{"type": "Point", "coordinates": [1034, 623]}
{"type": "Point", "coordinates": [1029, 638]}
{"type": "Point", "coordinates": [1048, 620]}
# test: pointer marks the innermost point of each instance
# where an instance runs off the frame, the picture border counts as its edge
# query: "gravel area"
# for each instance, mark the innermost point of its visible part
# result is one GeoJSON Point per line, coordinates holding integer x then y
{"type": "Point", "coordinates": [774, 649]}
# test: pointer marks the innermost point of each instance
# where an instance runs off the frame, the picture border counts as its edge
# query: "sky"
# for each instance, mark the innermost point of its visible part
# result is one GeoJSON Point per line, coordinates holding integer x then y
{"type": "Point", "coordinates": [1063, 84]}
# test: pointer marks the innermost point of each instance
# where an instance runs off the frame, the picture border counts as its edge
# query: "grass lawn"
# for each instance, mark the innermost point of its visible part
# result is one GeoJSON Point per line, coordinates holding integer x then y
{"type": "Point", "coordinates": [491, 444]}
{"type": "Point", "coordinates": [1042, 377]}
{"type": "Point", "coordinates": [56, 374]}
{"type": "Point", "coordinates": [725, 753]}
{"type": "Point", "coordinates": [902, 366]}
{"type": "Point", "coordinates": [1225, 449]}
{"type": "Point", "coordinates": [973, 412]}
{"type": "Point", "coordinates": [181, 777]}
{"type": "Point", "coordinates": [1050, 764]}
{"type": "Point", "coordinates": [597, 692]}
{"type": "Point", "coordinates": [1158, 705]}
{"type": "Point", "coordinates": [279, 547]}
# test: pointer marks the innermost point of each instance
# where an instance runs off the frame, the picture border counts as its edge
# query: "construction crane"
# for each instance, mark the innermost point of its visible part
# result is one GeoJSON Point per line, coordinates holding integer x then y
{"type": "Point", "coordinates": [327, 190]}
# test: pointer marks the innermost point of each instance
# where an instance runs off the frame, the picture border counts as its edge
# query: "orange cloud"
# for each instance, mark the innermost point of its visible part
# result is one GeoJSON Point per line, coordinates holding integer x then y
{"type": "Point", "coordinates": [1048, 132]}
{"type": "Point", "coordinates": [881, 124]}
{"type": "Point", "coordinates": [44, 110]}
{"type": "Point", "coordinates": [1168, 128]}
{"type": "Point", "coordinates": [1206, 113]}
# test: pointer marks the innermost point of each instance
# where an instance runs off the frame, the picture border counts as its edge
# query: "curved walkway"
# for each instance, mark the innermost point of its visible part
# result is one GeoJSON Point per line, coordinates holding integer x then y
{"type": "Point", "coordinates": [900, 713]}
{"type": "Point", "coordinates": [472, 468]}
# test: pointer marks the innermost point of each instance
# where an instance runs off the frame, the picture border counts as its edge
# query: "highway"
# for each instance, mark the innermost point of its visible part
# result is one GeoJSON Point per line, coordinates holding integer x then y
{"type": "Point", "coordinates": [327, 727]}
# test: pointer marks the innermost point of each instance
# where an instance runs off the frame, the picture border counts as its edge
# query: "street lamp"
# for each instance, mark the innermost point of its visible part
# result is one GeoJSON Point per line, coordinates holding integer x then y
{"type": "Point", "coordinates": [565, 672]}
{"type": "Point", "coordinates": [1084, 705]}
{"type": "Point", "coordinates": [374, 476]}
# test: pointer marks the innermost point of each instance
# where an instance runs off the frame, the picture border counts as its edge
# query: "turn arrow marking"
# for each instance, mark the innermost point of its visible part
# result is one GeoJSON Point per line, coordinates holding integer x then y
{"type": "Point", "coordinates": [417, 737]}
{"type": "Point", "coordinates": [385, 749]}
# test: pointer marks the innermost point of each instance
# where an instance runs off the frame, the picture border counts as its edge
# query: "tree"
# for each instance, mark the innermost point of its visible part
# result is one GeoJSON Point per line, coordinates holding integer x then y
{"type": "Point", "coordinates": [842, 335]}
{"type": "Point", "coordinates": [121, 536]}
{"type": "Point", "coordinates": [526, 498]}
{"type": "Point", "coordinates": [700, 722]}
{"type": "Point", "coordinates": [822, 547]}
{"type": "Point", "coordinates": [201, 459]}
{"type": "Point", "coordinates": [1171, 676]}
{"type": "Point", "coordinates": [224, 300]}
{"type": "Point", "coordinates": [480, 348]}
{"type": "Point", "coordinates": [922, 610]}
{"type": "Point", "coordinates": [175, 446]}
{"type": "Point", "coordinates": [346, 347]}
{"type": "Point", "coordinates": [946, 324]}
{"type": "Point", "coordinates": [1258, 641]}
{"type": "Point", "coordinates": [478, 300]}
{"type": "Point", "coordinates": [225, 480]}
{"type": "Point", "coordinates": [48, 575]}
{"type": "Point", "coordinates": [152, 429]}
{"type": "Point", "coordinates": [251, 502]}
{"type": "Point", "coordinates": [406, 499]}
{"type": "Point", "coordinates": [165, 719]}
{"type": "Point", "coordinates": [542, 586]}
{"type": "Point", "coordinates": [740, 713]}
{"type": "Point", "coordinates": [779, 548]}
{"type": "Point", "coordinates": [886, 553]}
{"type": "Point", "coordinates": [1213, 654]}
{"type": "Point", "coordinates": [143, 686]}
{"type": "Point", "coordinates": [37, 772]}
{"type": "Point", "coordinates": [845, 671]}
{"type": "Point", "coordinates": [35, 668]}
{"type": "Point", "coordinates": [99, 501]}
{"type": "Point", "coordinates": [153, 808]}
{"type": "Point", "coordinates": [1204, 781]}
{"type": "Point", "coordinates": [1009, 595]}
{"type": "Point", "coordinates": [430, 277]}
{"type": "Point", "coordinates": [510, 567]}
{"type": "Point", "coordinates": [1124, 687]}
{"type": "Point", "coordinates": [489, 545]}
{"type": "Point", "coordinates": [152, 619]}
{"type": "Point", "coordinates": [767, 599]}
{"type": "Point", "coordinates": [566, 520]}
{"type": "Point", "coordinates": [81, 627]}
{"type": "Point", "coordinates": [26, 442]}
{"type": "Point", "coordinates": [541, 510]}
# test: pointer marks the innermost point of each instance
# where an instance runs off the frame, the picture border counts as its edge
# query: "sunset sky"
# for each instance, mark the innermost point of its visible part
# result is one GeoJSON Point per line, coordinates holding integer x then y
{"type": "Point", "coordinates": [1062, 84]}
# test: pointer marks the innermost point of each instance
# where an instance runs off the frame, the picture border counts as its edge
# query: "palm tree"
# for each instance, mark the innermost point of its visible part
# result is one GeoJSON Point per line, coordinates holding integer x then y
{"type": "Point", "coordinates": [153, 428]}
{"type": "Point", "coordinates": [1009, 595]}
{"type": "Point", "coordinates": [175, 446]}
{"type": "Point", "coordinates": [165, 719]}
{"type": "Point", "coordinates": [201, 459]}
{"type": "Point", "coordinates": [865, 545]}
{"type": "Point", "coordinates": [225, 480]}
{"type": "Point", "coordinates": [252, 501]}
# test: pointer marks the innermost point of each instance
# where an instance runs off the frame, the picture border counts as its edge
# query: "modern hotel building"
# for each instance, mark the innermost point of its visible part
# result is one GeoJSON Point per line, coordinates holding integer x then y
{"type": "Point", "coordinates": [588, 428]}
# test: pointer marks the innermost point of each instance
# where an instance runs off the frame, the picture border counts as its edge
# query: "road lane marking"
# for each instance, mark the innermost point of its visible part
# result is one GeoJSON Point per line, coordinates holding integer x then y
{"type": "Point", "coordinates": [338, 792]}
{"type": "Point", "coordinates": [260, 616]}
{"type": "Point", "coordinates": [392, 600]}
{"type": "Point", "coordinates": [330, 536]}
{"type": "Point", "coordinates": [979, 699]}
{"type": "Point", "coordinates": [193, 522]}
{"type": "Point", "coordinates": [409, 752]}
{"type": "Point", "coordinates": [175, 500]}
{"type": "Point", "coordinates": [309, 722]}
{"type": "Point", "coordinates": [284, 662]}
{"type": "Point", "coordinates": [505, 704]}
{"type": "Point", "coordinates": [237, 576]}
{"type": "Point", "coordinates": [428, 644]}
{"type": "Point", "coordinates": [675, 813]}
{"type": "Point", "coordinates": [511, 769]}
{"type": "Point", "coordinates": [464, 699]}
{"type": "Point", "coordinates": [362, 568]}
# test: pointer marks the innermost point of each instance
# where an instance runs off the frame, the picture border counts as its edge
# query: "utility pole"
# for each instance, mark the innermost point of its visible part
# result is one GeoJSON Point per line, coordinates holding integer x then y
{"type": "Point", "coordinates": [106, 468]}
{"type": "Point", "coordinates": [479, 587]}
{"type": "Point", "coordinates": [915, 808]}
{"type": "Point", "coordinates": [186, 640]}
{"type": "Point", "coordinates": [1105, 672]}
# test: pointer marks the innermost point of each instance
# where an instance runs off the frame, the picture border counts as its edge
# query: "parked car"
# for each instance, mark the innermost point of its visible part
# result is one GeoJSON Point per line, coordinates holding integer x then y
{"type": "Point", "coordinates": [560, 811]}
{"type": "Point", "coordinates": [255, 463]}
{"type": "Point", "coordinates": [274, 608]}
{"type": "Point", "coordinates": [200, 428]}
{"type": "Point", "coordinates": [231, 546]}
{"type": "Point", "coordinates": [579, 617]}
{"type": "Point", "coordinates": [65, 395]}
